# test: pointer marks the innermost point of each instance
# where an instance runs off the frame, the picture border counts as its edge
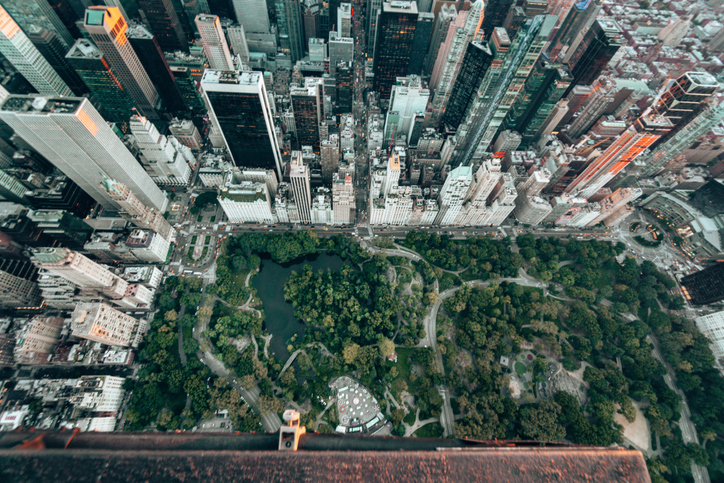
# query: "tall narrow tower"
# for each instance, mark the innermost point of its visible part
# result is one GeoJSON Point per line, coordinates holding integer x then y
{"type": "Point", "coordinates": [152, 59]}
{"type": "Point", "coordinates": [21, 52]}
{"type": "Point", "coordinates": [472, 70]}
{"type": "Point", "coordinates": [114, 102]}
{"type": "Point", "coordinates": [70, 133]}
{"type": "Point", "coordinates": [54, 51]}
{"type": "Point", "coordinates": [299, 176]}
{"type": "Point", "coordinates": [451, 58]}
{"type": "Point", "coordinates": [107, 29]}
{"type": "Point", "coordinates": [214, 42]}
{"type": "Point", "coordinates": [253, 15]}
{"type": "Point", "coordinates": [395, 35]}
{"type": "Point", "coordinates": [40, 13]}
{"type": "Point", "coordinates": [289, 22]}
{"type": "Point", "coordinates": [165, 24]}
{"type": "Point", "coordinates": [627, 147]}
{"type": "Point", "coordinates": [239, 108]}
{"type": "Point", "coordinates": [595, 50]}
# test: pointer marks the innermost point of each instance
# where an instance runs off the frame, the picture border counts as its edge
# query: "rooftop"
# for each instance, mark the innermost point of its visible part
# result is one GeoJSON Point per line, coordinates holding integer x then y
{"type": "Point", "coordinates": [40, 104]}
{"type": "Point", "coordinates": [231, 77]}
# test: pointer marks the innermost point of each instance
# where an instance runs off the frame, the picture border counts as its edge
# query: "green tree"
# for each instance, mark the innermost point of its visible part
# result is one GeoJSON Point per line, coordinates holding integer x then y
{"type": "Point", "coordinates": [541, 423]}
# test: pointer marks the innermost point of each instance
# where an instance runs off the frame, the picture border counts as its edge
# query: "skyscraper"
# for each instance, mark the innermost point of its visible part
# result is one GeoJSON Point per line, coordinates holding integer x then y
{"type": "Point", "coordinates": [114, 102]}
{"type": "Point", "coordinates": [687, 135]}
{"type": "Point", "coordinates": [472, 70]}
{"type": "Point", "coordinates": [329, 154]}
{"type": "Point", "coordinates": [165, 24]}
{"type": "Point", "coordinates": [107, 29]}
{"type": "Point", "coordinates": [237, 40]}
{"type": "Point", "coordinates": [214, 42]}
{"type": "Point", "coordinates": [299, 176]}
{"type": "Point", "coordinates": [22, 54]}
{"type": "Point", "coordinates": [240, 109]}
{"type": "Point", "coordinates": [344, 19]}
{"type": "Point", "coordinates": [543, 89]}
{"type": "Point", "coordinates": [253, 15]}
{"type": "Point", "coordinates": [495, 13]}
{"type": "Point", "coordinates": [341, 49]}
{"type": "Point", "coordinates": [307, 107]}
{"type": "Point", "coordinates": [313, 12]}
{"type": "Point", "coordinates": [439, 33]}
{"type": "Point", "coordinates": [373, 15]}
{"type": "Point", "coordinates": [345, 87]}
{"type": "Point", "coordinates": [395, 34]}
{"type": "Point", "coordinates": [595, 50]}
{"type": "Point", "coordinates": [289, 22]}
{"type": "Point", "coordinates": [684, 99]}
{"type": "Point", "coordinates": [501, 85]}
{"type": "Point", "coordinates": [464, 30]}
{"type": "Point", "coordinates": [40, 13]}
{"type": "Point", "coordinates": [423, 32]}
{"type": "Point", "coordinates": [627, 147]}
{"type": "Point", "coordinates": [579, 18]}
{"type": "Point", "coordinates": [71, 134]}
{"type": "Point", "coordinates": [53, 50]}
{"type": "Point", "coordinates": [17, 284]}
{"type": "Point", "coordinates": [154, 62]}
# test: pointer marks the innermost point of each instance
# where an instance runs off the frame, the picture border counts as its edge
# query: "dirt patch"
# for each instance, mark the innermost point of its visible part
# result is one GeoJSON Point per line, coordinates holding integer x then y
{"type": "Point", "coordinates": [638, 431]}
{"type": "Point", "coordinates": [464, 359]}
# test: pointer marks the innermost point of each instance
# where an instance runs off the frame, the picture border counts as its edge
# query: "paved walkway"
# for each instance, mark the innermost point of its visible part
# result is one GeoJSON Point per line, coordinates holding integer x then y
{"type": "Point", "coordinates": [270, 421]}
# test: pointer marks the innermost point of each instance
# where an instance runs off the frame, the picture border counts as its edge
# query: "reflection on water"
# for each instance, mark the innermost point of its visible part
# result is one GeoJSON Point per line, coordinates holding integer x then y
{"type": "Point", "coordinates": [269, 283]}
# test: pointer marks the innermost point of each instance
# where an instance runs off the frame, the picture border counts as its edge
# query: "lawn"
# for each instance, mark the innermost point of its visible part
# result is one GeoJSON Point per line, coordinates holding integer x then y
{"type": "Point", "coordinates": [201, 217]}
{"type": "Point", "coordinates": [213, 219]}
{"type": "Point", "coordinates": [520, 368]}
{"type": "Point", "coordinates": [430, 430]}
{"type": "Point", "coordinates": [193, 239]}
{"type": "Point", "coordinates": [410, 418]}
{"type": "Point", "coordinates": [208, 239]}
{"type": "Point", "coordinates": [403, 363]}
{"type": "Point", "coordinates": [204, 252]}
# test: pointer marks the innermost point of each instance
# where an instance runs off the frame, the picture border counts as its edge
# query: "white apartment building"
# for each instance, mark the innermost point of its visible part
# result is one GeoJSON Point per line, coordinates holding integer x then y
{"type": "Point", "coordinates": [146, 275]}
{"type": "Point", "coordinates": [100, 322]}
{"type": "Point", "coordinates": [531, 210]}
{"type": "Point", "coordinates": [164, 159]}
{"type": "Point", "coordinates": [408, 99]}
{"type": "Point", "coordinates": [246, 201]}
{"type": "Point", "coordinates": [453, 194]}
{"type": "Point", "coordinates": [186, 133]}
{"type": "Point", "coordinates": [137, 296]}
{"type": "Point", "coordinates": [148, 246]}
{"type": "Point", "coordinates": [343, 200]}
{"type": "Point", "coordinates": [99, 394]}
{"type": "Point", "coordinates": [38, 339]}
{"type": "Point", "coordinates": [322, 212]}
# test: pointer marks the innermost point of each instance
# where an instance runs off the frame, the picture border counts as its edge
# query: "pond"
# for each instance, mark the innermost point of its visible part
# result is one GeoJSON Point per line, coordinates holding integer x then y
{"type": "Point", "coordinates": [269, 283]}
